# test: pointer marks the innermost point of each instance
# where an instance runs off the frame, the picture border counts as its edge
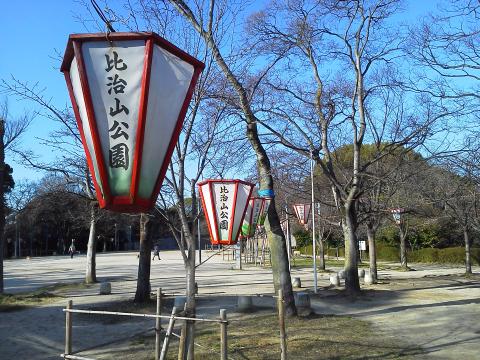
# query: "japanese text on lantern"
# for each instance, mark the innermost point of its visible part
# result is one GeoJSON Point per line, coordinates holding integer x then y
{"type": "Point", "coordinates": [118, 130]}
{"type": "Point", "coordinates": [223, 208]}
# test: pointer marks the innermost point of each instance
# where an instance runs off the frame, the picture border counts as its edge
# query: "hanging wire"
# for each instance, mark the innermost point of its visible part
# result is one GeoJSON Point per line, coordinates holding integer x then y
{"type": "Point", "coordinates": [102, 16]}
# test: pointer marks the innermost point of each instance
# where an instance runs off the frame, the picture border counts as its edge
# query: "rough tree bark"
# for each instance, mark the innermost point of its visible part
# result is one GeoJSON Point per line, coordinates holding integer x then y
{"type": "Point", "coordinates": [90, 271]}
{"type": "Point", "coordinates": [468, 263]}
{"type": "Point", "coordinates": [372, 251]}
{"type": "Point", "coordinates": [403, 247]}
{"type": "Point", "coordinates": [349, 225]}
{"type": "Point", "coordinates": [143, 280]}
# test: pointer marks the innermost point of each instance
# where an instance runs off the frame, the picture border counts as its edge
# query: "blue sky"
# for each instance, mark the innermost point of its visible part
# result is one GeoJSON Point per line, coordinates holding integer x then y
{"type": "Point", "coordinates": [32, 32]}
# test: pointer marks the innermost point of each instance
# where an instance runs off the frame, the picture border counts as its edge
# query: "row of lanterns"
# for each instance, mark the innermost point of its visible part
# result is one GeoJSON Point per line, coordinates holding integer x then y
{"type": "Point", "coordinates": [130, 93]}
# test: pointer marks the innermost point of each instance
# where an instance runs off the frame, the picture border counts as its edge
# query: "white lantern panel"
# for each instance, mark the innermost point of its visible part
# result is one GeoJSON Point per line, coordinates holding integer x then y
{"type": "Point", "coordinates": [169, 83]}
{"type": "Point", "coordinates": [224, 194]}
{"type": "Point", "coordinates": [210, 213]}
{"type": "Point", "coordinates": [114, 73]}
{"type": "Point", "coordinates": [79, 99]}
{"type": "Point", "coordinates": [243, 195]}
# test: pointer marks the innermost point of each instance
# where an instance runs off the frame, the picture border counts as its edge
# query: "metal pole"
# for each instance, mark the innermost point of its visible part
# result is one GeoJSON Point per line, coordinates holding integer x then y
{"type": "Point", "coordinates": [158, 324]}
{"type": "Point", "coordinates": [289, 243]}
{"type": "Point", "coordinates": [68, 329]}
{"type": "Point", "coordinates": [223, 334]}
{"type": "Point", "coordinates": [313, 228]}
{"type": "Point", "coordinates": [17, 247]}
{"type": "Point", "coordinates": [199, 236]}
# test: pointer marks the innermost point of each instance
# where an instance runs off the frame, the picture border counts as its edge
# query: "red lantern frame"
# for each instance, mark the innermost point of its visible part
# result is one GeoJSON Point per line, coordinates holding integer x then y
{"type": "Point", "coordinates": [132, 202]}
{"type": "Point", "coordinates": [230, 240]}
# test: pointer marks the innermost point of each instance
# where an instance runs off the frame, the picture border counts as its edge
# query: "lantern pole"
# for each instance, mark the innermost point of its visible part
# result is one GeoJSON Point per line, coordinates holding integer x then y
{"type": "Point", "coordinates": [314, 250]}
{"type": "Point", "coordinates": [198, 234]}
{"type": "Point", "coordinates": [289, 239]}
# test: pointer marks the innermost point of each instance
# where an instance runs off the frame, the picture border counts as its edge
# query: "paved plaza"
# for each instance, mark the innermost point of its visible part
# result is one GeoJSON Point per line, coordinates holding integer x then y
{"type": "Point", "coordinates": [440, 313]}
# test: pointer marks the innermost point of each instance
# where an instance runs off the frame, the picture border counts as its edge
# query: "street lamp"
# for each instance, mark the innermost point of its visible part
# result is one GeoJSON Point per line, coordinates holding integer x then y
{"type": "Point", "coordinates": [130, 93]}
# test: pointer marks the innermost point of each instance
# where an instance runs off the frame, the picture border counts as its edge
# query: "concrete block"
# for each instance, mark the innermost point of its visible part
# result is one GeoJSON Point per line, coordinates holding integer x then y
{"type": "Point", "coordinates": [105, 288]}
{"type": "Point", "coordinates": [341, 274]}
{"type": "Point", "coordinates": [296, 282]}
{"type": "Point", "coordinates": [244, 303]}
{"type": "Point", "coordinates": [361, 273]}
{"type": "Point", "coordinates": [368, 279]}
{"type": "Point", "coordinates": [302, 301]}
{"type": "Point", "coordinates": [335, 280]}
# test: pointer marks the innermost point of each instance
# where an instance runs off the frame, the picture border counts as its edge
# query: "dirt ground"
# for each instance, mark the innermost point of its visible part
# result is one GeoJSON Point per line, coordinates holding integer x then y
{"type": "Point", "coordinates": [434, 308]}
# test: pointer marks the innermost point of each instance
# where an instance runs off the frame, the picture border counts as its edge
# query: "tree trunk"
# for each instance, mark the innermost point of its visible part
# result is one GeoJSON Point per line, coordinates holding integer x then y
{"type": "Point", "coordinates": [91, 270]}
{"type": "Point", "coordinates": [143, 281]}
{"type": "Point", "coordinates": [190, 301]}
{"type": "Point", "coordinates": [349, 224]}
{"type": "Point", "coordinates": [468, 262]}
{"type": "Point", "coordinates": [372, 252]}
{"type": "Point", "coordinates": [2, 201]}
{"type": "Point", "coordinates": [403, 248]}
{"type": "Point", "coordinates": [321, 250]}
{"type": "Point", "coordinates": [279, 255]}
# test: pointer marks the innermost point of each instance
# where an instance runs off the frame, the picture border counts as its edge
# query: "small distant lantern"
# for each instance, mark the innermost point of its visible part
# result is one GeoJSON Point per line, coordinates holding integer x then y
{"type": "Point", "coordinates": [264, 211]}
{"type": "Point", "coordinates": [252, 215]}
{"type": "Point", "coordinates": [397, 215]}
{"type": "Point", "coordinates": [302, 211]}
{"type": "Point", "coordinates": [130, 93]}
{"type": "Point", "coordinates": [224, 204]}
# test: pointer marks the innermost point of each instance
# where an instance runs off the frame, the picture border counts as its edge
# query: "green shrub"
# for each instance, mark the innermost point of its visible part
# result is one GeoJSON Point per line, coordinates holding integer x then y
{"type": "Point", "coordinates": [453, 255]}
{"type": "Point", "coordinates": [386, 252]}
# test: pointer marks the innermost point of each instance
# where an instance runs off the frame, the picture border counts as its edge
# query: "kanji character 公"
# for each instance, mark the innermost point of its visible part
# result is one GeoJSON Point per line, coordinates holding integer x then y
{"type": "Point", "coordinates": [118, 130]}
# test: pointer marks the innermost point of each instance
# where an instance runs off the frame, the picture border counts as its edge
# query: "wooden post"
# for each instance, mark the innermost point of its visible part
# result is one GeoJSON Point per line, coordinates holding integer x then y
{"type": "Point", "coordinates": [68, 328]}
{"type": "Point", "coordinates": [281, 322]}
{"type": "Point", "coordinates": [223, 334]}
{"type": "Point", "coordinates": [163, 354]}
{"type": "Point", "coordinates": [183, 337]}
{"type": "Point", "coordinates": [158, 324]}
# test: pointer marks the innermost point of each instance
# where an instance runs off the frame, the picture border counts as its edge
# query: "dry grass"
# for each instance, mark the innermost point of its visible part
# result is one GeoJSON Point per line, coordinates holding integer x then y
{"type": "Point", "coordinates": [42, 296]}
{"type": "Point", "coordinates": [255, 337]}
{"type": "Point", "coordinates": [10, 302]}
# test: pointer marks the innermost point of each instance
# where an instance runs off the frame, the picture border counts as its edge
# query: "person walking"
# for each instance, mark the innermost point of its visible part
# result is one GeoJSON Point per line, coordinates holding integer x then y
{"type": "Point", "coordinates": [156, 252]}
{"type": "Point", "coordinates": [71, 249]}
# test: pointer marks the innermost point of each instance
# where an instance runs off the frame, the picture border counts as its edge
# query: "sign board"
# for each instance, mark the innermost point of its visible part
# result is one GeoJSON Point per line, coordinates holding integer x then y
{"type": "Point", "coordinates": [362, 245]}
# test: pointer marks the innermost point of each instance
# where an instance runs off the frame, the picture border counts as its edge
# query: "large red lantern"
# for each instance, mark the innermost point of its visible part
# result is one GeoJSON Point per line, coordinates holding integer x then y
{"type": "Point", "coordinates": [130, 93]}
{"type": "Point", "coordinates": [224, 203]}
{"type": "Point", "coordinates": [252, 215]}
{"type": "Point", "coordinates": [303, 212]}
